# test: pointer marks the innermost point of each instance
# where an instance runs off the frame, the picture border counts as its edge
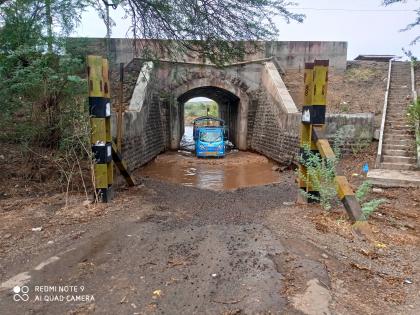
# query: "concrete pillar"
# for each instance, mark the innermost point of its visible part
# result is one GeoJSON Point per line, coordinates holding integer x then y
{"type": "Point", "coordinates": [175, 119]}
{"type": "Point", "coordinates": [242, 125]}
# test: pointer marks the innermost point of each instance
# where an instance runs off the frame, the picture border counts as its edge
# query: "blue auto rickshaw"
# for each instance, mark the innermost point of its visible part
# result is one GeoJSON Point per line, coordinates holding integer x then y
{"type": "Point", "coordinates": [209, 136]}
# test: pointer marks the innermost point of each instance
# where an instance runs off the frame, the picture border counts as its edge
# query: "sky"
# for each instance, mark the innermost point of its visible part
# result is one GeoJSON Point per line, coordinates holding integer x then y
{"type": "Point", "coordinates": [368, 27]}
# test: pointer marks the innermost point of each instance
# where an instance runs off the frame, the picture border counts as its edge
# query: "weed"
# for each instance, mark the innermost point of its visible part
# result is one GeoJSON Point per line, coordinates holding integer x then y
{"type": "Point", "coordinates": [370, 206]}
{"type": "Point", "coordinates": [362, 141]}
{"type": "Point", "coordinates": [360, 74]}
{"type": "Point", "coordinates": [413, 112]}
{"type": "Point", "coordinates": [363, 191]}
{"type": "Point", "coordinates": [413, 115]}
{"type": "Point", "coordinates": [320, 175]}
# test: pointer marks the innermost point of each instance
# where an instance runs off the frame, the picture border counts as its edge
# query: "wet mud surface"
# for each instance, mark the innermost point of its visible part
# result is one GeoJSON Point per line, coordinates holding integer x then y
{"type": "Point", "coordinates": [164, 248]}
{"type": "Point", "coordinates": [204, 252]}
{"type": "Point", "coordinates": [235, 170]}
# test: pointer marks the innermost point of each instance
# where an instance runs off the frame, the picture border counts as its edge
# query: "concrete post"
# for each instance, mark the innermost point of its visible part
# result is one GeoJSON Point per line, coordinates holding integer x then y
{"type": "Point", "coordinates": [242, 123]}
{"type": "Point", "coordinates": [175, 124]}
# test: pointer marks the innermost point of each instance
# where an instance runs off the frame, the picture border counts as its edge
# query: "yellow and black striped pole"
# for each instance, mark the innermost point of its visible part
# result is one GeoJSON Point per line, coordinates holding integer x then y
{"type": "Point", "coordinates": [306, 129]}
{"type": "Point", "coordinates": [313, 136]}
{"type": "Point", "coordinates": [100, 113]}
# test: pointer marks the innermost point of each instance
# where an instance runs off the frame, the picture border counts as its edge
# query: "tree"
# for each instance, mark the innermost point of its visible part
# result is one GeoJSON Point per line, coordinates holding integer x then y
{"type": "Point", "coordinates": [37, 80]}
{"type": "Point", "coordinates": [212, 29]}
{"type": "Point", "coordinates": [410, 26]}
{"type": "Point", "coordinates": [38, 89]}
{"type": "Point", "coordinates": [35, 23]}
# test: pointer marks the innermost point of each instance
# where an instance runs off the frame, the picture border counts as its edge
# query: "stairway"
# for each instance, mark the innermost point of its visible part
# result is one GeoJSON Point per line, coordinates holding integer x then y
{"type": "Point", "coordinates": [399, 147]}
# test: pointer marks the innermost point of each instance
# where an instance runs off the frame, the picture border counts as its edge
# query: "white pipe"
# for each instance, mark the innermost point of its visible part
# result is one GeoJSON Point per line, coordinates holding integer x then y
{"type": "Point", "coordinates": [381, 136]}
{"type": "Point", "coordinates": [417, 124]}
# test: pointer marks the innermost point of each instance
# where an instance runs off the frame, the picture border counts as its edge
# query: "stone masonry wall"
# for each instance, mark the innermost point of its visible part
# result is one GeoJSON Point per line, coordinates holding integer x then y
{"type": "Point", "coordinates": [146, 133]}
{"type": "Point", "coordinates": [273, 133]}
{"type": "Point", "coordinates": [276, 134]}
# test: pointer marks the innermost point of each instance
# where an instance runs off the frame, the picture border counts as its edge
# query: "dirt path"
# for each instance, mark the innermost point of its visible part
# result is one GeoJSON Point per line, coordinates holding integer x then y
{"type": "Point", "coordinates": [168, 249]}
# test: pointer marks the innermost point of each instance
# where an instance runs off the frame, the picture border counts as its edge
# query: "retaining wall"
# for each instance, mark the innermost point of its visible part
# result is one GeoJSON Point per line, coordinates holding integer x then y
{"type": "Point", "coordinates": [290, 55]}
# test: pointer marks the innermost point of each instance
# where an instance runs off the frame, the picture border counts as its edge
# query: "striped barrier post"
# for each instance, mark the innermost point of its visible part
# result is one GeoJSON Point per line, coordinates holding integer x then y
{"type": "Point", "coordinates": [313, 136]}
{"type": "Point", "coordinates": [100, 113]}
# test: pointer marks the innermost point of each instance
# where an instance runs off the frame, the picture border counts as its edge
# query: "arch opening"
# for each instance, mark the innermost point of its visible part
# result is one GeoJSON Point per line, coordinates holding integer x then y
{"type": "Point", "coordinates": [227, 108]}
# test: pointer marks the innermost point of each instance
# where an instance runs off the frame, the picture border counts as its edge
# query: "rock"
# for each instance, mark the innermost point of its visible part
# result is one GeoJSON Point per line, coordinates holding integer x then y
{"type": "Point", "coordinates": [378, 190]}
{"type": "Point", "coordinates": [324, 255]}
{"type": "Point", "coordinates": [377, 134]}
{"type": "Point", "coordinates": [288, 203]}
{"type": "Point", "coordinates": [410, 226]}
{"type": "Point", "coordinates": [50, 242]}
{"type": "Point", "coordinates": [214, 275]}
{"type": "Point", "coordinates": [275, 168]}
{"type": "Point", "coordinates": [1, 157]}
{"type": "Point", "coordinates": [408, 281]}
{"type": "Point", "coordinates": [8, 235]}
{"type": "Point", "coordinates": [37, 229]}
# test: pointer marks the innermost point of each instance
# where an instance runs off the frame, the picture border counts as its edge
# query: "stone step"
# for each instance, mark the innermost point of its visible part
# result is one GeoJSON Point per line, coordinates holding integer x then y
{"type": "Point", "coordinates": [398, 128]}
{"type": "Point", "coordinates": [405, 153]}
{"type": "Point", "coordinates": [402, 117]}
{"type": "Point", "coordinates": [396, 123]}
{"type": "Point", "coordinates": [398, 166]}
{"type": "Point", "coordinates": [397, 113]}
{"type": "Point", "coordinates": [407, 148]}
{"type": "Point", "coordinates": [391, 135]}
{"type": "Point", "coordinates": [399, 159]}
{"type": "Point", "coordinates": [408, 142]}
{"type": "Point", "coordinates": [401, 101]}
{"type": "Point", "coordinates": [397, 109]}
{"type": "Point", "coordinates": [398, 133]}
{"type": "Point", "coordinates": [389, 130]}
{"type": "Point", "coordinates": [394, 178]}
{"type": "Point", "coordinates": [396, 117]}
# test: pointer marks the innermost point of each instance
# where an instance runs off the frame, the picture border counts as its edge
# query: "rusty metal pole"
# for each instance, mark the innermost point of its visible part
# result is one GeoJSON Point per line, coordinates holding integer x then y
{"type": "Point", "coordinates": [120, 111]}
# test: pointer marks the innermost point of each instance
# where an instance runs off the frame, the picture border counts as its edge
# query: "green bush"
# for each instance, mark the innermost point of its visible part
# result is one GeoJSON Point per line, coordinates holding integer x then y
{"type": "Point", "coordinates": [321, 175]}
{"type": "Point", "coordinates": [40, 95]}
{"type": "Point", "coordinates": [413, 112]}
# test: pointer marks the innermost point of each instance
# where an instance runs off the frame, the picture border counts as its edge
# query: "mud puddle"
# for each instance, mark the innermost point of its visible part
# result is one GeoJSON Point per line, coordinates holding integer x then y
{"type": "Point", "coordinates": [236, 170]}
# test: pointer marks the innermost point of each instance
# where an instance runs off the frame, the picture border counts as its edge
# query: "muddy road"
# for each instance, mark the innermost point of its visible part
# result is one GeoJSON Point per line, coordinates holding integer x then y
{"type": "Point", "coordinates": [164, 248]}
{"type": "Point", "coordinates": [185, 251]}
{"type": "Point", "coordinates": [235, 170]}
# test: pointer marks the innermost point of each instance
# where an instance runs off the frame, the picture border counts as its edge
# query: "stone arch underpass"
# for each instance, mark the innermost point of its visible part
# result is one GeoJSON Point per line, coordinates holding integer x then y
{"type": "Point", "coordinates": [233, 102]}
{"type": "Point", "coordinates": [253, 100]}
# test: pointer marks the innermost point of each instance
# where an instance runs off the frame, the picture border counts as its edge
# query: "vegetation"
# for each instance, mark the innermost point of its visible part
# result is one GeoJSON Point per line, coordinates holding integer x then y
{"type": "Point", "coordinates": [413, 114]}
{"type": "Point", "coordinates": [193, 110]}
{"type": "Point", "coordinates": [362, 141]}
{"type": "Point", "coordinates": [321, 176]}
{"type": "Point", "coordinates": [43, 89]}
{"type": "Point", "coordinates": [360, 74]}
{"type": "Point", "coordinates": [411, 25]}
{"type": "Point", "coordinates": [213, 30]}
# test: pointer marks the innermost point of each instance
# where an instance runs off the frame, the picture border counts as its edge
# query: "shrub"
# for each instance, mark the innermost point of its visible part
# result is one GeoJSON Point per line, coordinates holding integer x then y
{"type": "Point", "coordinates": [321, 175]}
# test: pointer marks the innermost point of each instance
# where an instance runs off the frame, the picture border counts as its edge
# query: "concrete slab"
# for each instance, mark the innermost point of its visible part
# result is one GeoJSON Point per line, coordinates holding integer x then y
{"type": "Point", "coordinates": [394, 178]}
